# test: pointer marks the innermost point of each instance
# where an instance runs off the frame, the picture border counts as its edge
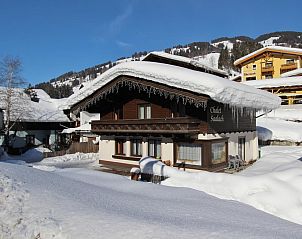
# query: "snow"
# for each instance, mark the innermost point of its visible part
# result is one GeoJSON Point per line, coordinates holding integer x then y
{"type": "Point", "coordinates": [210, 59]}
{"type": "Point", "coordinates": [82, 203]}
{"type": "Point", "coordinates": [292, 73]}
{"type": "Point", "coordinates": [276, 82]}
{"type": "Point", "coordinates": [84, 127]}
{"type": "Point", "coordinates": [227, 44]}
{"type": "Point", "coordinates": [279, 129]}
{"type": "Point", "coordinates": [282, 124]}
{"type": "Point", "coordinates": [201, 64]}
{"type": "Point", "coordinates": [269, 41]}
{"type": "Point", "coordinates": [219, 89]}
{"type": "Point", "coordinates": [46, 110]}
{"type": "Point", "coordinates": [269, 48]}
{"type": "Point", "coordinates": [272, 184]}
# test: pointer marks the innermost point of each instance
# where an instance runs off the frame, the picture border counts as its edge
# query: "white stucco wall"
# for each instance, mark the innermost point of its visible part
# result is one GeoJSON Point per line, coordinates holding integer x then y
{"type": "Point", "coordinates": [86, 117]}
{"type": "Point", "coordinates": [106, 147]}
{"type": "Point", "coordinates": [167, 150]}
{"type": "Point", "coordinates": [251, 144]}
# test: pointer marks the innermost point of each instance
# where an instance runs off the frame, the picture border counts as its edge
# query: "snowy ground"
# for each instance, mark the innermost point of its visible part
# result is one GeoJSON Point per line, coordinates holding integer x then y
{"type": "Point", "coordinates": [84, 203]}
{"type": "Point", "coordinates": [281, 124]}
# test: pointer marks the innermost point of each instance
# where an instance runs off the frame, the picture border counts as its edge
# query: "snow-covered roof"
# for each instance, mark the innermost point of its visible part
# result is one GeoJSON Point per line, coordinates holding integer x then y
{"type": "Point", "coordinates": [185, 60]}
{"type": "Point", "coordinates": [218, 88]}
{"type": "Point", "coordinates": [83, 128]}
{"type": "Point", "coordinates": [46, 110]}
{"type": "Point", "coordinates": [292, 73]}
{"type": "Point", "coordinates": [281, 49]}
{"type": "Point", "coordinates": [276, 82]}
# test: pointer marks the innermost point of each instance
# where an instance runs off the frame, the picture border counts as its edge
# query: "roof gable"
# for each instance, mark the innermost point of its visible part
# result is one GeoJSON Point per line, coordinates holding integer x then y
{"type": "Point", "coordinates": [219, 89]}
{"type": "Point", "coordinates": [166, 58]}
{"type": "Point", "coordinates": [274, 49]}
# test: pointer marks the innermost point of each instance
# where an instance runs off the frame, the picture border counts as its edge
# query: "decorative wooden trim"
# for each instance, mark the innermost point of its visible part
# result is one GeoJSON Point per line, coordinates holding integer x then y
{"type": "Point", "coordinates": [132, 158]}
{"type": "Point", "coordinates": [169, 125]}
{"type": "Point", "coordinates": [147, 86]}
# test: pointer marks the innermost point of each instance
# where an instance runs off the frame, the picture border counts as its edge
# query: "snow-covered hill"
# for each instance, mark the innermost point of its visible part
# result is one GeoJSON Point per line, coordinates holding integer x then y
{"type": "Point", "coordinates": [205, 52]}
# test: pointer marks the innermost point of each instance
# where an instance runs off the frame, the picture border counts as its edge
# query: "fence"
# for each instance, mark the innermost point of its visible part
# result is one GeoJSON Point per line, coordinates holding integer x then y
{"type": "Point", "coordinates": [83, 147]}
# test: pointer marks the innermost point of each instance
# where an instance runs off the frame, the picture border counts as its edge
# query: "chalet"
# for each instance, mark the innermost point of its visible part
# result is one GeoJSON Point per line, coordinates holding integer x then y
{"type": "Point", "coordinates": [171, 113]}
{"type": "Point", "coordinates": [166, 58]}
{"type": "Point", "coordinates": [289, 89]}
{"type": "Point", "coordinates": [269, 62]}
{"type": "Point", "coordinates": [34, 121]}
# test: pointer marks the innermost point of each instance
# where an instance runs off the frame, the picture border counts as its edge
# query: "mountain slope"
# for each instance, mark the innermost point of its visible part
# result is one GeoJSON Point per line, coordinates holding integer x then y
{"type": "Point", "coordinates": [220, 52]}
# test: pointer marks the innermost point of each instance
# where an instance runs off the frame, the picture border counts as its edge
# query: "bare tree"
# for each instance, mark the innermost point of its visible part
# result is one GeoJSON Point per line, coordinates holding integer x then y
{"type": "Point", "coordinates": [11, 94]}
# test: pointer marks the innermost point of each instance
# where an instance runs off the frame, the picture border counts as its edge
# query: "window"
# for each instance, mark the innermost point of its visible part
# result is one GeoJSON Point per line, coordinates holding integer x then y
{"type": "Point", "coordinates": [251, 78]}
{"type": "Point", "coordinates": [254, 67]}
{"type": "Point", "coordinates": [290, 61]}
{"type": "Point", "coordinates": [30, 139]}
{"type": "Point", "coordinates": [218, 152]}
{"type": "Point", "coordinates": [189, 153]}
{"type": "Point", "coordinates": [268, 76]}
{"type": "Point", "coordinates": [268, 64]}
{"type": "Point", "coordinates": [155, 148]}
{"type": "Point", "coordinates": [144, 111]}
{"type": "Point", "coordinates": [136, 147]}
{"type": "Point", "coordinates": [120, 146]}
{"type": "Point", "coordinates": [118, 113]}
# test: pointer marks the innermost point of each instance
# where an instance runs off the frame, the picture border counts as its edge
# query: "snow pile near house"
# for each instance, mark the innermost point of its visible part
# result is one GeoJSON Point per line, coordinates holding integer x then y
{"type": "Point", "coordinates": [16, 219]}
{"type": "Point", "coordinates": [149, 165]}
{"type": "Point", "coordinates": [81, 203]}
{"type": "Point", "coordinates": [272, 184]}
{"type": "Point", "coordinates": [282, 124]}
{"type": "Point", "coordinates": [87, 160]}
{"type": "Point", "coordinates": [219, 89]}
{"type": "Point", "coordinates": [279, 129]}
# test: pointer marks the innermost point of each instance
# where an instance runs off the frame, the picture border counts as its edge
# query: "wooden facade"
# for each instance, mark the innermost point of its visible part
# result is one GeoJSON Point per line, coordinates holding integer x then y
{"type": "Point", "coordinates": [136, 113]}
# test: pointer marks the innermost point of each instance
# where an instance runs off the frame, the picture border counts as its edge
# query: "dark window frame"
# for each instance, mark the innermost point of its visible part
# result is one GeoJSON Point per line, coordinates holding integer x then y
{"type": "Point", "coordinates": [145, 106]}
{"type": "Point", "coordinates": [30, 139]}
{"type": "Point", "coordinates": [136, 141]}
{"type": "Point", "coordinates": [156, 154]}
{"type": "Point", "coordinates": [119, 146]}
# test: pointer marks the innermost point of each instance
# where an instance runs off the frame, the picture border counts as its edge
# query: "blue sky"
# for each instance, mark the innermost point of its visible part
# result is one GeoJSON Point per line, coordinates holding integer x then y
{"type": "Point", "coordinates": [52, 37]}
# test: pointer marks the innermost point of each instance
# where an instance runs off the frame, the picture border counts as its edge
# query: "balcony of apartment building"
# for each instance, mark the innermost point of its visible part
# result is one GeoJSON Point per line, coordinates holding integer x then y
{"type": "Point", "coordinates": [169, 125]}
{"type": "Point", "coordinates": [288, 66]}
{"type": "Point", "coordinates": [267, 68]}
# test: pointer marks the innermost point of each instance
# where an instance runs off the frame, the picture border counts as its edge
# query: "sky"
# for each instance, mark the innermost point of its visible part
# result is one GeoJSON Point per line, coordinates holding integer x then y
{"type": "Point", "coordinates": [52, 37]}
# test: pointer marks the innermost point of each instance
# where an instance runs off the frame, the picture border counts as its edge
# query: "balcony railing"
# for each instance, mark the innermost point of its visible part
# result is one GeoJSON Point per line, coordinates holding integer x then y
{"type": "Point", "coordinates": [168, 125]}
{"type": "Point", "coordinates": [269, 68]}
{"type": "Point", "coordinates": [289, 66]}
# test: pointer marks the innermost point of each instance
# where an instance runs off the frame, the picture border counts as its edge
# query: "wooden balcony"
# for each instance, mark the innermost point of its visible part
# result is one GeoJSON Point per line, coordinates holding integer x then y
{"type": "Point", "coordinates": [157, 126]}
{"type": "Point", "coordinates": [289, 66]}
{"type": "Point", "coordinates": [266, 69]}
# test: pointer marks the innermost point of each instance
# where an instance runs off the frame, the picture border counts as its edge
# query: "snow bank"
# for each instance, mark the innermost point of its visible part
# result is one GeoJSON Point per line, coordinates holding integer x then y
{"type": "Point", "coordinates": [16, 220]}
{"type": "Point", "coordinates": [279, 129]}
{"type": "Point", "coordinates": [272, 184]}
{"type": "Point", "coordinates": [86, 160]}
{"type": "Point", "coordinates": [149, 165]}
{"type": "Point", "coordinates": [219, 89]}
{"type": "Point", "coordinates": [81, 203]}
